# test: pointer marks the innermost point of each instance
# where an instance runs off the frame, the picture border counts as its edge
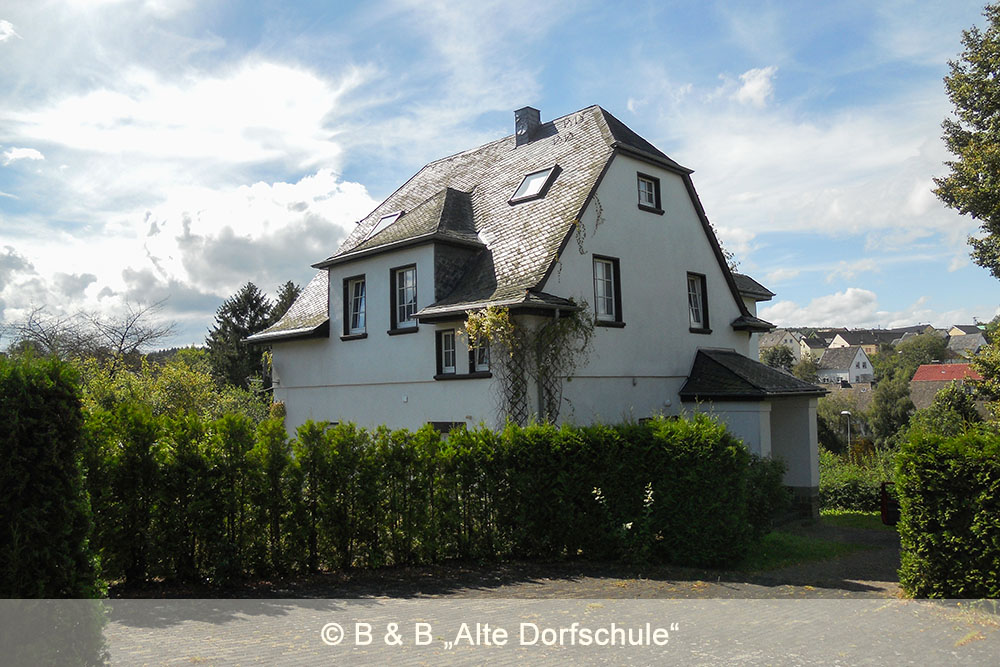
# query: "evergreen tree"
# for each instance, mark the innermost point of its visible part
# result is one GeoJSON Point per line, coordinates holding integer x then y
{"type": "Point", "coordinates": [974, 137]}
{"type": "Point", "coordinates": [779, 356]}
{"type": "Point", "coordinates": [245, 313]}
{"type": "Point", "coordinates": [287, 294]}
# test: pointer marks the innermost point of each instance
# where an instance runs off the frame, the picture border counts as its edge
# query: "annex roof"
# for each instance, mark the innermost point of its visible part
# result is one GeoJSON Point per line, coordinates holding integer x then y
{"type": "Point", "coordinates": [728, 375]}
{"type": "Point", "coordinates": [945, 373]}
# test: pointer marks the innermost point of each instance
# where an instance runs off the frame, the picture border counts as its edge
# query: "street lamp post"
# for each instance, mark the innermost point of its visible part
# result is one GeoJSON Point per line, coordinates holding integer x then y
{"type": "Point", "coordinates": [847, 413]}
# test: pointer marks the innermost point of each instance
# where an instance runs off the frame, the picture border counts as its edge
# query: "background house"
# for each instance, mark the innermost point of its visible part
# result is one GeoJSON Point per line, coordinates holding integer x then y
{"type": "Point", "coordinates": [929, 379]}
{"type": "Point", "coordinates": [847, 364]}
{"type": "Point", "coordinates": [579, 214]}
{"type": "Point", "coordinates": [790, 339]}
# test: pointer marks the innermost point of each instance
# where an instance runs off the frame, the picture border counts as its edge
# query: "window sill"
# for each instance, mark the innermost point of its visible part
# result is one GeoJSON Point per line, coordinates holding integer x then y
{"type": "Point", "coordinates": [358, 336]}
{"type": "Point", "coordinates": [613, 324]}
{"type": "Point", "coordinates": [465, 376]}
{"type": "Point", "coordinates": [651, 209]}
{"type": "Point", "coordinates": [700, 330]}
{"type": "Point", "coordinates": [402, 330]}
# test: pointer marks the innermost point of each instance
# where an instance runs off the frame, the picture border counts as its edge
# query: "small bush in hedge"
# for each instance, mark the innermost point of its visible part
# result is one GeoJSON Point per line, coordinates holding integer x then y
{"type": "Point", "coordinates": [45, 517]}
{"type": "Point", "coordinates": [949, 494]}
{"type": "Point", "coordinates": [853, 482]}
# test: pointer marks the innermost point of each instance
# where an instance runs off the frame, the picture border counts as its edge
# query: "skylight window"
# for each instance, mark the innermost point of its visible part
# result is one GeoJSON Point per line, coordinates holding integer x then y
{"type": "Point", "coordinates": [383, 222]}
{"type": "Point", "coordinates": [534, 185]}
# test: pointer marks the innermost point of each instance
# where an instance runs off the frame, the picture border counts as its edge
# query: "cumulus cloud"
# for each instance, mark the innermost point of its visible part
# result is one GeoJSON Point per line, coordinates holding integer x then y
{"type": "Point", "coordinates": [73, 285]}
{"type": "Point", "coordinates": [856, 307]}
{"type": "Point", "coordinates": [756, 86]}
{"type": "Point", "coordinates": [13, 154]}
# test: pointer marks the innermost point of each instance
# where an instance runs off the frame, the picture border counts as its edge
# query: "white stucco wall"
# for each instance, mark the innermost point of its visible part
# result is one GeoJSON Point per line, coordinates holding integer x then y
{"type": "Point", "coordinates": [748, 420]}
{"type": "Point", "coordinates": [380, 379]}
{"type": "Point", "coordinates": [794, 439]}
{"type": "Point", "coordinates": [638, 369]}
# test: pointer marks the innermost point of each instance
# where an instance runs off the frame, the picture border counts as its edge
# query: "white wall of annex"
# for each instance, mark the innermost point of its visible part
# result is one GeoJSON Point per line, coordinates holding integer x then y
{"type": "Point", "coordinates": [656, 252]}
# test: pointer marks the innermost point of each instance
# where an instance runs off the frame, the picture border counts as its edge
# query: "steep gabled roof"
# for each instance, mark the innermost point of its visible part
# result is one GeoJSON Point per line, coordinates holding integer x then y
{"type": "Point", "coordinates": [967, 328]}
{"type": "Point", "coordinates": [727, 375]}
{"type": "Point", "coordinates": [464, 200]}
{"type": "Point", "coordinates": [752, 289]}
{"type": "Point", "coordinates": [839, 358]}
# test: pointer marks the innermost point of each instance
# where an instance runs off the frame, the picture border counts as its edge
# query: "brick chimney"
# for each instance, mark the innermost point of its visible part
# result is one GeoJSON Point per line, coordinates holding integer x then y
{"type": "Point", "coordinates": [526, 121]}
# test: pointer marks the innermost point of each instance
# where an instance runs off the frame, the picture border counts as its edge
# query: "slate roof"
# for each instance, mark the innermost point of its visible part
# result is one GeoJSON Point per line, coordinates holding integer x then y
{"type": "Point", "coordinates": [306, 317]}
{"type": "Point", "coordinates": [838, 358]}
{"type": "Point", "coordinates": [752, 289]}
{"type": "Point", "coordinates": [869, 336]}
{"type": "Point", "coordinates": [728, 375]}
{"type": "Point", "coordinates": [945, 373]}
{"type": "Point", "coordinates": [463, 201]}
{"type": "Point", "coordinates": [968, 328]}
{"type": "Point", "coordinates": [966, 344]}
{"type": "Point", "coordinates": [815, 343]}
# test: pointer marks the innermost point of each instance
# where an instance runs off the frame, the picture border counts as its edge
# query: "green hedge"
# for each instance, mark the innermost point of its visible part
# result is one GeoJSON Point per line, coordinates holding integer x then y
{"type": "Point", "coordinates": [182, 498]}
{"type": "Point", "coordinates": [949, 492]}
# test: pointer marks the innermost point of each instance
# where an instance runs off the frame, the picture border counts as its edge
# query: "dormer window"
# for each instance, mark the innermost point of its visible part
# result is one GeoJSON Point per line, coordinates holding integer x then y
{"type": "Point", "coordinates": [382, 223]}
{"type": "Point", "coordinates": [535, 185]}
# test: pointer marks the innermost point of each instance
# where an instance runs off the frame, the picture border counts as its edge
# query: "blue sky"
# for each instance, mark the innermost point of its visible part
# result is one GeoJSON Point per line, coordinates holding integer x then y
{"type": "Point", "coordinates": [152, 149]}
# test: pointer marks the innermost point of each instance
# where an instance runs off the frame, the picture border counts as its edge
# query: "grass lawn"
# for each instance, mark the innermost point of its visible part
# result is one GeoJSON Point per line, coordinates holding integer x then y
{"type": "Point", "coordinates": [852, 519]}
{"type": "Point", "coordinates": [779, 549]}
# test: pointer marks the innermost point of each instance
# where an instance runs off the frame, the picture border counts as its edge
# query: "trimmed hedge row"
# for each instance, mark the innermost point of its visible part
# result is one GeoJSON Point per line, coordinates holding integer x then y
{"type": "Point", "coordinates": [949, 494]}
{"type": "Point", "coordinates": [184, 499]}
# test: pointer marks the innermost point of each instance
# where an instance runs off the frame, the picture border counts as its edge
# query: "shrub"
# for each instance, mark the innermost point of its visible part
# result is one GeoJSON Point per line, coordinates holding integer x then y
{"type": "Point", "coordinates": [853, 482]}
{"type": "Point", "coordinates": [949, 494]}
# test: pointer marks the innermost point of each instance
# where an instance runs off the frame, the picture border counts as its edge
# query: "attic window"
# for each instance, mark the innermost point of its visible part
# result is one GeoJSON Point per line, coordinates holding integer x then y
{"type": "Point", "coordinates": [535, 185]}
{"type": "Point", "coordinates": [383, 222]}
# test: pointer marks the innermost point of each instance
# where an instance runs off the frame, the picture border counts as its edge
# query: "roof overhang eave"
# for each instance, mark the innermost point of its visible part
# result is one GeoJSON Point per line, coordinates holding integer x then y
{"type": "Point", "coordinates": [321, 330]}
{"type": "Point", "coordinates": [446, 313]}
{"type": "Point", "coordinates": [434, 237]}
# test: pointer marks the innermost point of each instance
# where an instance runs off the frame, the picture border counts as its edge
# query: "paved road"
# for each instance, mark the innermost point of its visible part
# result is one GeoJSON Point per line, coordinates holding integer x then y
{"type": "Point", "coordinates": [518, 631]}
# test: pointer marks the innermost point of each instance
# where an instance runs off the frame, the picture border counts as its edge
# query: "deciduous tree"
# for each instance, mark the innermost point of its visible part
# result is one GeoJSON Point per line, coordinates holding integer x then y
{"type": "Point", "coordinates": [973, 137]}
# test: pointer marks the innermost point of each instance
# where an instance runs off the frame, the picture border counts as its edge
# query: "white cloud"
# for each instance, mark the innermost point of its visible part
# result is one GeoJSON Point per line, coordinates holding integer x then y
{"type": "Point", "coordinates": [7, 31]}
{"type": "Point", "coordinates": [757, 86]}
{"type": "Point", "coordinates": [849, 270]}
{"type": "Point", "coordinates": [14, 154]}
{"type": "Point", "coordinates": [781, 275]}
{"type": "Point", "coordinates": [855, 307]}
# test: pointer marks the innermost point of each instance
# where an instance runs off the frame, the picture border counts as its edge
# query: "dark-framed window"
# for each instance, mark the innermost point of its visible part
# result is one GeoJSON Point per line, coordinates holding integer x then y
{"type": "Point", "coordinates": [534, 185]}
{"type": "Point", "coordinates": [447, 357]}
{"type": "Point", "coordinates": [403, 298]}
{"type": "Point", "coordinates": [479, 357]}
{"type": "Point", "coordinates": [649, 193]}
{"type": "Point", "coordinates": [697, 303]}
{"type": "Point", "coordinates": [354, 306]}
{"type": "Point", "coordinates": [607, 291]}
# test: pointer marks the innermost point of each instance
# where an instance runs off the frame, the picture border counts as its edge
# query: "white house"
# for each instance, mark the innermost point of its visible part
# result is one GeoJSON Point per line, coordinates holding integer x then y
{"type": "Point", "coordinates": [790, 339]}
{"type": "Point", "coordinates": [848, 364]}
{"type": "Point", "coordinates": [579, 212]}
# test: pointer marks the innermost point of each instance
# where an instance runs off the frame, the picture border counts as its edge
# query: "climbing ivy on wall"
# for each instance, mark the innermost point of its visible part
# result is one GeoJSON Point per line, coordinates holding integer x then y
{"type": "Point", "coordinates": [548, 353]}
